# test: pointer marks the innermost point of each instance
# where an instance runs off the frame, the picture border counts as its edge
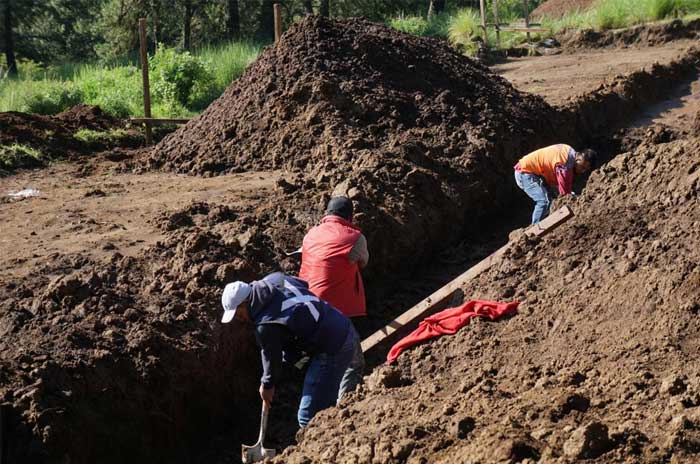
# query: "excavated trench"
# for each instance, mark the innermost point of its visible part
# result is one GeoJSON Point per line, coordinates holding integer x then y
{"type": "Point", "coordinates": [183, 388]}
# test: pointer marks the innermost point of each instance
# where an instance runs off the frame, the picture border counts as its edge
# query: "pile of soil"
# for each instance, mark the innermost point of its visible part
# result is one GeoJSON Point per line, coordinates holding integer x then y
{"type": "Point", "coordinates": [54, 137]}
{"type": "Point", "coordinates": [644, 35]}
{"type": "Point", "coordinates": [422, 138]}
{"type": "Point", "coordinates": [419, 136]}
{"type": "Point", "coordinates": [600, 363]}
{"type": "Point", "coordinates": [126, 361]}
{"type": "Point", "coordinates": [555, 9]}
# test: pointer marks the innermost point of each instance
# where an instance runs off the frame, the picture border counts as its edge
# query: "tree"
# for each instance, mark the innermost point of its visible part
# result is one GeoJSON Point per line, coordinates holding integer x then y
{"type": "Point", "coordinates": [233, 24]}
{"type": "Point", "coordinates": [266, 28]}
{"type": "Point", "coordinates": [8, 36]}
{"type": "Point", "coordinates": [325, 8]}
{"type": "Point", "coordinates": [308, 7]}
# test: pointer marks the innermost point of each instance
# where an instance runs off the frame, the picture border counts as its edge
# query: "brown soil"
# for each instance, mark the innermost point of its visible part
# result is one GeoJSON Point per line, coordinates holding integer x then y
{"type": "Point", "coordinates": [566, 77]}
{"type": "Point", "coordinates": [600, 364]}
{"type": "Point", "coordinates": [54, 136]}
{"type": "Point", "coordinates": [116, 355]}
{"type": "Point", "coordinates": [557, 8]}
{"type": "Point", "coordinates": [643, 35]}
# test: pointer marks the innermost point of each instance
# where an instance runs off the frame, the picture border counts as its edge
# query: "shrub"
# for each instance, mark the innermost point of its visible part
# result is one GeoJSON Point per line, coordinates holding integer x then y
{"type": "Point", "coordinates": [415, 25]}
{"type": "Point", "coordinates": [181, 78]}
{"type": "Point", "coordinates": [464, 27]}
{"type": "Point", "coordinates": [49, 96]}
{"type": "Point", "coordinates": [118, 90]}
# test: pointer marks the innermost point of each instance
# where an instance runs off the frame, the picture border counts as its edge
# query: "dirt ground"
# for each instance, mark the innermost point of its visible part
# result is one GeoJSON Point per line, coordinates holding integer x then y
{"type": "Point", "coordinates": [95, 214]}
{"type": "Point", "coordinates": [560, 78]}
{"type": "Point", "coordinates": [559, 8]}
{"type": "Point", "coordinates": [127, 268]}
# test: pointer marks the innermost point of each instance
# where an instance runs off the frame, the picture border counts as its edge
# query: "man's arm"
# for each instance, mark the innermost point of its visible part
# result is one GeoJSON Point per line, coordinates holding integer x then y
{"type": "Point", "coordinates": [565, 179]}
{"type": "Point", "coordinates": [359, 252]}
{"type": "Point", "coordinates": [270, 340]}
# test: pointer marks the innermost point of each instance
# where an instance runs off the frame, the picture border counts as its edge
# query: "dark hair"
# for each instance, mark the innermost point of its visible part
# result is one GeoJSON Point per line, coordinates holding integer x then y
{"type": "Point", "coordinates": [340, 206]}
{"type": "Point", "coordinates": [591, 156]}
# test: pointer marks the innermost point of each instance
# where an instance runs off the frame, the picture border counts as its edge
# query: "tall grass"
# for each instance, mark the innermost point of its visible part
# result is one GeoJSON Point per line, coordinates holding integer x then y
{"type": "Point", "coordinates": [436, 25]}
{"type": "Point", "coordinates": [615, 14]}
{"type": "Point", "coordinates": [117, 87]}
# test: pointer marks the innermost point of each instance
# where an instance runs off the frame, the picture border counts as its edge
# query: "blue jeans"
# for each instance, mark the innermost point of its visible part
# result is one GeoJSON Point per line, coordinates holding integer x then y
{"type": "Point", "coordinates": [323, 377]}
{"type": "Point", "coordinates": [536, 189]}
{"type": "Point", "coordinates": [353, 374]}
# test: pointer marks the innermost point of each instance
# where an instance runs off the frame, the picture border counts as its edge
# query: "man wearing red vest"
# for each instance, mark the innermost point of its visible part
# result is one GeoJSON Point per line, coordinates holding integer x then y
{"type": "Point", "coordinates": [332, 255]}
{"type": "Point", "coordinates": [552, 168]}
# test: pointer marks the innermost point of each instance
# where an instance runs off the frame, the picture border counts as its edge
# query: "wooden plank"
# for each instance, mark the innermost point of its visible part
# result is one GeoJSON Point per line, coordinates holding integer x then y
{"type": "Point", "coordinates": [158, 121]}
{"type": "Point", "coordinates": [523, 29]}
{"type": "Point", "coordinates": [144, 75]}
{"type": "Point", "coordinates": [278, 21]}
{"type": "Point", "coordinates": [548, 224]}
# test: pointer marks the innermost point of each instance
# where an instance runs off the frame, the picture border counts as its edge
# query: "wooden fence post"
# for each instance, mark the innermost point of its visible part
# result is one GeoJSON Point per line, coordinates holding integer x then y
{"type": "Point", "coordinates": [482, 8]}
{"type": "Point", "coordinates": [278, 21]}
{"type": "Point", "coordinates": [144, 74]}
{"type": "Point", "coordinates": [497, 22]}
{"type": "Point", "coordinates": [527, 20]}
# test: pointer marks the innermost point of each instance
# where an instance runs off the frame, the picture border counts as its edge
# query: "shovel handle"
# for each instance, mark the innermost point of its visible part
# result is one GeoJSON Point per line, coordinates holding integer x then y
{"type": "Point", "coordinates": [264, 413]}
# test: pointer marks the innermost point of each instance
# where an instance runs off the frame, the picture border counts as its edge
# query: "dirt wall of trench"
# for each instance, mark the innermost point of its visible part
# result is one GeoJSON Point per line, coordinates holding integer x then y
{"type": "Point", "coordinates": [121, 360]}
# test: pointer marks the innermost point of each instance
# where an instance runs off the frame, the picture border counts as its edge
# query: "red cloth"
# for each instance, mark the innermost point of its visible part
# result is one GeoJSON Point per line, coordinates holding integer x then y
{"type": "Point", "coordinates": [449, 321]}
{"type": "Point", "coordinates": [326, 266]}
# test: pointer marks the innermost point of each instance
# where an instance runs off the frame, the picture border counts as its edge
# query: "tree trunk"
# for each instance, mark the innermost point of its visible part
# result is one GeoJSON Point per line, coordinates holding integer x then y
{"type": "Point", "coordinates": [233, 25]}
{"type": "Point", "coordinates": [187, 32]}
{"type": "Point", "coordinates": [308, 7]}
{"type": "Point", "coordinates": [325, 9]}
{"type": "Point", "coordinates": [9, 39]}
{"type": "Point", "coordinates": [266, 24]}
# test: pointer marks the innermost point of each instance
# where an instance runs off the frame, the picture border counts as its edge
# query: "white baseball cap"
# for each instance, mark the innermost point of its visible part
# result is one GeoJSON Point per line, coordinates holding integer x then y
{"type": "Point", "coordinates": [234, 294]}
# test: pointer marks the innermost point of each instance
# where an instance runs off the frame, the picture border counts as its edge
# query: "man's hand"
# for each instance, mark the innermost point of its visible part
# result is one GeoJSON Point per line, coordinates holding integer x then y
{"type": "Point", "coordinates": [266, 394]}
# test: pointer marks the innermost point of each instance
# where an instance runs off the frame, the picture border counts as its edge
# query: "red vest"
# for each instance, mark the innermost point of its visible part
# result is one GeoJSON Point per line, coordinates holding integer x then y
{"type": "Point", "coordinates": [326, 266]}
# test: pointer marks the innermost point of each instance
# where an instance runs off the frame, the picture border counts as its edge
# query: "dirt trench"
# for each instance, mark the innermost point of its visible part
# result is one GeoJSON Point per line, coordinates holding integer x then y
{"type": "Point", "coordinates": [142, 331]}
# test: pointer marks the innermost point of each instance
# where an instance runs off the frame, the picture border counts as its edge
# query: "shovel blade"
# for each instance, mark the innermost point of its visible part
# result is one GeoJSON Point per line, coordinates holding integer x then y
{"type": "Point", "coordinates": [256, 453]}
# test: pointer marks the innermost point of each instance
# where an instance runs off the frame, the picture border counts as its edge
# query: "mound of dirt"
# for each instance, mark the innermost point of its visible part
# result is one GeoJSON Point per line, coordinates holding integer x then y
{"type": "Point", "coordinates": [343, 94]}
{"type": "Point", "coordinates": [555, 9]}
{"type": "Point", "coordinates": [54, 137]}
{"type": "Point", "coordinates": [418, 135]}
{"type": "Point", "coordinates": [601, 363]}
{"type": "Point", "coordinates": [647, 35]}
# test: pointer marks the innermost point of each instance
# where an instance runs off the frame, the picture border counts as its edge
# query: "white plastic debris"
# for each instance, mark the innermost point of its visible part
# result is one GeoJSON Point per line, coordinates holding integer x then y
{"type": "Point", "coordinates": [26, 193]}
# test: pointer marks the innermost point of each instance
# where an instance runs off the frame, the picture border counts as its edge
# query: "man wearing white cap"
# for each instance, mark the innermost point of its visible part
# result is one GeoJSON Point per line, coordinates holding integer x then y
{"type": "Point", "coordinates": [288, 317]}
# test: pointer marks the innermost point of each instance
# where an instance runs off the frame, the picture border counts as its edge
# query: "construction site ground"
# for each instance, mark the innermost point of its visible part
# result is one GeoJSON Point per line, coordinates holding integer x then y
{"type": "Point", "coordinates": [578, 374]}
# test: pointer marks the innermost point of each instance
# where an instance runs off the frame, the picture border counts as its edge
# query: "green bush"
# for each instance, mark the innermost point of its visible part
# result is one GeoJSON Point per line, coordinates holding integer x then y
{"type": "Point", "coordinates": [118, 91]}
{"type": "Point", "coordinates": [181, 78]}
{"type": "Point", "coordinates": [464, 27]}
{"type": "Point", "coordinates": [415, 25]}
{"type": "Point", "coordinates": [50, 97]}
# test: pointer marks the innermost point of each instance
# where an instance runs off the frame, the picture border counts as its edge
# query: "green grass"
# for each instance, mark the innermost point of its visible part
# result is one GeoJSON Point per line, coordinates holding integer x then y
{"type": "Point", "coordinates": [616, 14]}
{"type": "Point", "coordinates": [18, 156]}
{"type": "Point", "coordinates": [435, 26]}
{"type": "Point", "coordinates": [101, 138]}
{"type": "Point", "coordinates": [117, 88]}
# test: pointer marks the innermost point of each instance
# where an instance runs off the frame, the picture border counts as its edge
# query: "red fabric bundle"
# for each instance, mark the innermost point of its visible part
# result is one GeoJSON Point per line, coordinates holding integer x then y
{"type": "Point", "coordinates": [449, 321]}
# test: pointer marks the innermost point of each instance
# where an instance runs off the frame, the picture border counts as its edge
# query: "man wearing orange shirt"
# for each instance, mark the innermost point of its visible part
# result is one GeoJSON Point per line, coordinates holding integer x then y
{"type": "Point", "coordinates": [554, 168]}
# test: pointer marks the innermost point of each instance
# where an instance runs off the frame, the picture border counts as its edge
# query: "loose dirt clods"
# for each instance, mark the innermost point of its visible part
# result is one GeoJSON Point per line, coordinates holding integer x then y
{"type": "Point", "coordinates": [599, 365]}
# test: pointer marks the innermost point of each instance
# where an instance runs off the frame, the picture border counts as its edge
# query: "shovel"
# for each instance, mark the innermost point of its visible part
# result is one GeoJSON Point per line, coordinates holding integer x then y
{"type": "Point", "coordinates": [257, 452]}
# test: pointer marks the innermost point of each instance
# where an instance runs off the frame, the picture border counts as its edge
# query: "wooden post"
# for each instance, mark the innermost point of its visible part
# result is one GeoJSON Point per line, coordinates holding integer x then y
{"type": "Point", "coordinates": [497, 22]}
{"type": "Point", "coordinates": [144, 74]}
{"type": "Point", "coordinates": [527, 20]}
{"type": "Point", "coordinates": [482, 8]}
{"type": "Point", "coordinates": [442, 295]}
{"type": "Point", "coordinates": [278, 21]}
